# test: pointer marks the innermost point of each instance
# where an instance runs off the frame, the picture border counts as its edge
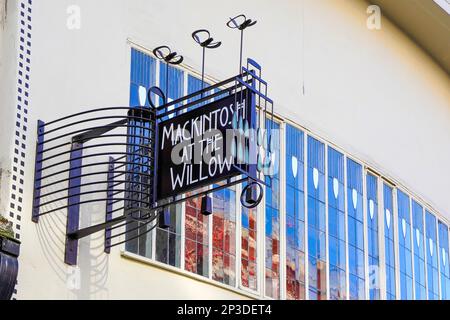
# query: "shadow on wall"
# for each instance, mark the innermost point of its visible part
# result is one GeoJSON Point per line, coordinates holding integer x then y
{"type": "Point", "coordinates": [89, 278]}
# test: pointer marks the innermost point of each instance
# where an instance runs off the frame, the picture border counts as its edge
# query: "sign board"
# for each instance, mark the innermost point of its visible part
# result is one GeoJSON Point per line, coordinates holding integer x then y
{"type": "Point", "coordinates": [195, 148]}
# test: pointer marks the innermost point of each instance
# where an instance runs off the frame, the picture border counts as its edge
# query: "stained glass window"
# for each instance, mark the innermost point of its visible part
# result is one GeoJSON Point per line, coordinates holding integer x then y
{"type": "Point", "coordinates": [197, 238]}
{"type": "Point", "coordinates": [445, 271]}
{"type": "Point", "coordinates": [372, 237]}
{"type": "Point", "coordinates": [295, 214]}
{"type": "Point", "coordinates": [336, 225]}
{"type": "Point", "coordinates": [272, 216]}
{"type": "Point", "coordinates": [432, 256]}
{"type": "Point", "coordinates": [316, 220]}
{"type": "Point", "coordinates": [389, 246]}
{"type": "Point", "coordinates": [224, 236]}
{"type": "Point", "coordinates": [404, 247]}
{"type": "Point", "coordinates": [419, 252]}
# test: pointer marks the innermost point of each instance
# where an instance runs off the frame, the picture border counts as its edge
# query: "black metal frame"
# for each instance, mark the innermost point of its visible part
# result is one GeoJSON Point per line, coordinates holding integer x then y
{"type": "Point", "coordinates": [65, 160]}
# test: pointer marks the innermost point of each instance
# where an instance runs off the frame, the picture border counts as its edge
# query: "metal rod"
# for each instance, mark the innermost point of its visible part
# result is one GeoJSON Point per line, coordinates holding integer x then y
{"type": "Point", "coordinates": [203, 71]}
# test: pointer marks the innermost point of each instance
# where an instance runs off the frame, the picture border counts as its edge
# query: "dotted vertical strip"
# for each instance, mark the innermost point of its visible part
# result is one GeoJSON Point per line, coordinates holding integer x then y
{"type": "Point", "coordinates": [21, 125]}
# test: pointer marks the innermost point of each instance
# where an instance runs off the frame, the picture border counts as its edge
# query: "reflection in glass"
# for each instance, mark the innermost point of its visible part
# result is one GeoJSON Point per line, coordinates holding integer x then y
{"type": "Point", "coordinates": [316, 220]}
{"type": "Point", "coordinates": [389, 248]}
{"type": "Point", "coordinates": [336, 225]}
{"type": "Point", "coordinates": [444, 267]}
{"type": "Point", "coordinates": [355, 230]}
{"type": "Point", "coordinates": [432, 257]}
{"type": "Point", "coordinates": [404, 247]}
{"type": "Point", "coordinates": [372, 237]}
{"type": "Point", "coordinates": [419, 252]}
{"type": "Point", "coordinates": [272, 215]}
{"type": "Point", "coordinates": [295, 214]}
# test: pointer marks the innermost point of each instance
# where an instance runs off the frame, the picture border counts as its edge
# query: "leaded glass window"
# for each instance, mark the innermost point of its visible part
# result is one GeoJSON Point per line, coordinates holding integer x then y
{"type": "Point", "coordinates": [389, 246]}
{"type": "Point", "coordinates": [336, 225]}
{"type": "Point", "coordinates": [316, 220]}
{"type": "Point", "coordinates": [404, 246]}
{"type": "Point", "coordinates": [355, 230]}
{"type": "Point", "coordinates": [295, 214]}
{"type": "Point", "coordinates": [372, 237]}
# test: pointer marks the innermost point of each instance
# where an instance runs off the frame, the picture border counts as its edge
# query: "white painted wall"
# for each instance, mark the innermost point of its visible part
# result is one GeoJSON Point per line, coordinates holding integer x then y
{"type": "Point", "coordinates": [373, 93]}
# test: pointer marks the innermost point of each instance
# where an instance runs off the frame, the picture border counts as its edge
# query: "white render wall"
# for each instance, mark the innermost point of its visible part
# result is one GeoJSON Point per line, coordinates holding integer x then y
{"type": "Point", "coordinates": [374, 94]}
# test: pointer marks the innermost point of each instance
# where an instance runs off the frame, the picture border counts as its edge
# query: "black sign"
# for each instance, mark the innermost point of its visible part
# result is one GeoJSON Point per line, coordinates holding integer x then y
{"type": "Point", "coordinates": [196, 148]}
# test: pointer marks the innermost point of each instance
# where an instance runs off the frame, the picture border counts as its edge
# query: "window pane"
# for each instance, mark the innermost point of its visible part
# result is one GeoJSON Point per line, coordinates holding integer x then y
{"type": "Point", "coordinates": [295, 214]}
{"type": "Point", "coordinates": [372, 237]}
{"type": "Point", "coordinates": [224, 236]}
{"type": "Point", "coordinates": [389, 241]}
{"type": "Point", "coordinates": [432, 260]}
{"type": "Point", "coordinates": [355, 229]}
{"type": "Point", "coordinates": [316, 219]}
{"type": "Point", "coordinates": [336, 224]}
{"type": "Point", "coordinates": [419, 251]}
{"type": "Point", "coordinates": [272, 215]}
{"type": "Point", "coordinates": [197, 238]}
{"type": "Point", "coordinates": [445, 272]}
{"type": "Point", "coordinates": [404, 248]}
{"type": "Point", "coordinates": [168, 241]}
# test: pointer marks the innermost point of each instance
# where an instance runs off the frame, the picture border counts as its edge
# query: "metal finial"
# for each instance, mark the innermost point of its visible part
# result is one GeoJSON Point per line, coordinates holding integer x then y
{"type": "Point", "coordinates": [241, 23]}
{"type": "Point", "coordinates": [204, 39]}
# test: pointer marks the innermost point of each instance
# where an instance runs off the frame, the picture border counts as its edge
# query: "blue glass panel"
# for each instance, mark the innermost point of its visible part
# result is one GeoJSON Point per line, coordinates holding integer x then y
{"type": "Point", "coordinates": [445, 271]}
{"type": "Point", "coordinates": [419, 251]}
{"type": "Point", "coordinates": [355, 229]}
{"type": "Point", "coordinates": [295, 214]}
{"type": "Point", "coordinates": [388, 213]}
{"type": "Point", "coordinates": [404, 250]}
{"type": "Point", "coordinates": [432, 256]}
{"type": "Point", "coordinates": [272, 216]}
{"type": "Point", "coordinates": [316, 218]}
{"type": "Point", "coordinates": [336, 217]}
{"type": "Point", "coordinates": [372, 235]}
{"type": "Point", "coordinates": [176, 83]}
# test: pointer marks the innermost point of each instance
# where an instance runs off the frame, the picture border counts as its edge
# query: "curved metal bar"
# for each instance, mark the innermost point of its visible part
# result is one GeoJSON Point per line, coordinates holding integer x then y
{"type": "Point", "coordinates": [126, 117]}
{"type": "Point", "coordinates": [138, 236]}
{"type": "Point", "coordinates": [96, 146]}
{"type": "Point", "coordinates": [92, 201]}
{"type": "Point", "coordinates": [85, 175]}
{"type": "Point", "coordinates": [89, 192]}
{"type": "Point", "coordinates": [136, 228]}
{"type": "Point", "coordinates": [98, 137]}
{"type": "Point", "coordinates": [148, 166]}
{"type": "Point", "coordinates": [90, 111]}
{"type": "Point", "coordinates": [94, 128]}
{"type": "Point", "coordinates": [125, 154]}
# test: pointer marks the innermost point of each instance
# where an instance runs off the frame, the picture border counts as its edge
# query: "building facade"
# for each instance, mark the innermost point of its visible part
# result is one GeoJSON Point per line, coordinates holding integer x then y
{"type": "Point", "coordinates": [360, 205]}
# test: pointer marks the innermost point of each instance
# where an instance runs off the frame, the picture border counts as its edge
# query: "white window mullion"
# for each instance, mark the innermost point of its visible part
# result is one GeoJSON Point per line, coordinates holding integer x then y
{"type": "Point", "coordinates": [327, 254]}
{"type": "Point", "coordinates": [347, 263]}
{"type": "Point", "coordinates": [412, 249]}
{"type": "Point", "coordinates": [424, 243]}
{"type": "Point", "coordinates": [238, 243]}
{"type": "Point", "coordinates": [305, 184]}
{"type": "Point", "coordinates": [282, 204]}
{"type": "Point", "coordinates": [381, 239]}
{"type": "Point", "coordinates": [438, 249]}
{"type": "Point", "coordinates": [396, 242]}
{"type": "Point", "coordinates": [366, 235]}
